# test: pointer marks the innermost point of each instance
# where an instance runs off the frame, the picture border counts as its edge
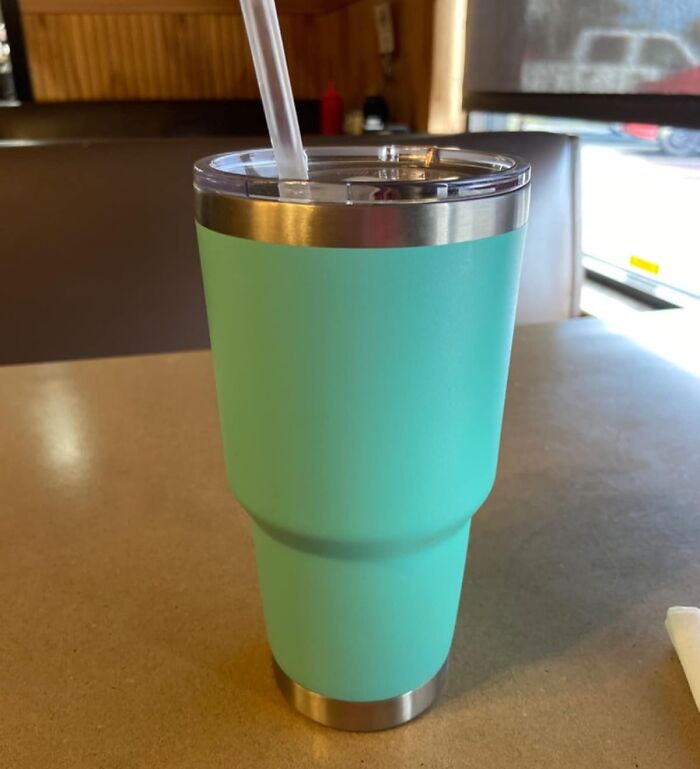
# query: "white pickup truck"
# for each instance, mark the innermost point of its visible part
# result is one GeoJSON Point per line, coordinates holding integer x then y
{"type": "Point", "coordinates": [609, 61]}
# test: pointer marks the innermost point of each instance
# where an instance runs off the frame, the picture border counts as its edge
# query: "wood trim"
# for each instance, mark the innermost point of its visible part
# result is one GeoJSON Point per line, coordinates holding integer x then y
{"type": "Point", "coordinates": [447, 115]}
{"type": "Point", "coordinates": [305, 7]}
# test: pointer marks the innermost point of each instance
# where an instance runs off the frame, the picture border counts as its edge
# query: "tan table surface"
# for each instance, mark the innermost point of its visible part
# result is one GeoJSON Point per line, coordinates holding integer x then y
{"type": "Point", "coordinates": [131, 633]}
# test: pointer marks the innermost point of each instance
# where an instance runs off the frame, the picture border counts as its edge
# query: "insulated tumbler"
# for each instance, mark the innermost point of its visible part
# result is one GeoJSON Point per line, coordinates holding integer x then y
{"type": "Point", "coordinates": [361, 326]}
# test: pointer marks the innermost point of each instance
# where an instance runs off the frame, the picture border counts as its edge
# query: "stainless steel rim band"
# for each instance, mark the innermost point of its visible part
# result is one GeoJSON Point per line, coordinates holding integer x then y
{"type": "Point", "coordinates": [384, 225]}
{"type": "Point", "coordinates": [361, 716]}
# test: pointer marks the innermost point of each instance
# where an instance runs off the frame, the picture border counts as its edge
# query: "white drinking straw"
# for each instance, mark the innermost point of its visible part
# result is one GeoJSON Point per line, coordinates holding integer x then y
{"type": "Point", "coordinates": [265, 38]}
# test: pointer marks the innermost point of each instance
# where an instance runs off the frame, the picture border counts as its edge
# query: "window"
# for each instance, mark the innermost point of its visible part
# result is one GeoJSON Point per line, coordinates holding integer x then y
{"type": "Point", "coordinates": [630, 63]}
{"type": "Point", "coordinates": [640, 185]}
{"type": "Point", "coordinates": [582, 46]}
{"type": "Point", "coordinates": [663, 54]}
{"type": "Point", "coordinates": [607, 49]}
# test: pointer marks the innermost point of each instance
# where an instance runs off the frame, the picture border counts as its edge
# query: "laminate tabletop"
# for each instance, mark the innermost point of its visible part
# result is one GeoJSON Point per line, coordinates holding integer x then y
{"type": "Point", "coordinates": [131, 632]}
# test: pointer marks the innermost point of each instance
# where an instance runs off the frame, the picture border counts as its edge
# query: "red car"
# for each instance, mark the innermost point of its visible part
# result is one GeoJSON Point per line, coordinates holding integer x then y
{"type": "Point", "coordinates": [646, 131]}
{"type": "Point", "coordinates": [687, 81]}
{"type": "Point", "coordinates": [674, 141]}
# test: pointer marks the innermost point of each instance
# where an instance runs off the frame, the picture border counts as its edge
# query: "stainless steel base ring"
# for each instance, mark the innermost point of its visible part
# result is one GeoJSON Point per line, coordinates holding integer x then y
{"type": "Point", "coordinates": [361, 716]}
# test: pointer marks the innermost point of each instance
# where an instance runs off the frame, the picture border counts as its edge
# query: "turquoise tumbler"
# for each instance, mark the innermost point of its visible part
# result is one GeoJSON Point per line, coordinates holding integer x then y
{"type": "Point", "coordinates": [361, 326]}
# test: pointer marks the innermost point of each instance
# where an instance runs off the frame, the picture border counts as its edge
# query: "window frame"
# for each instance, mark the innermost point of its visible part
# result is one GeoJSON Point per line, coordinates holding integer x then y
{"type": "Point", "coordinates": [680, 110]}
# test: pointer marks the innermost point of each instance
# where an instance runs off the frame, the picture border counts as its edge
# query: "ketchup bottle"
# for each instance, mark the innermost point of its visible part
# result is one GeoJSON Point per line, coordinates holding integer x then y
{"type": "Point", "coordinates": [331, 111]}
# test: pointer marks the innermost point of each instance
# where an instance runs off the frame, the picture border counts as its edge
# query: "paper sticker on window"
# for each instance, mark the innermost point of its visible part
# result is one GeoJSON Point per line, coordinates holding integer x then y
{"type": "Point", "coordinates": [644, 264]}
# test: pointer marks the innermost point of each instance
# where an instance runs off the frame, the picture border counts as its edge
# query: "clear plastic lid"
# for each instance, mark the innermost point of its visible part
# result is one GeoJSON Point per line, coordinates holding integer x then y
{"type": "Point", "coordinates": [370, 174]}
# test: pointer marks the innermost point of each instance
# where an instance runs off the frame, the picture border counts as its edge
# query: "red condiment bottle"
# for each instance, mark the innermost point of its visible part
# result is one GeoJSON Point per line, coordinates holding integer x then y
{"type": "Point", "coordinates": [331, 111]}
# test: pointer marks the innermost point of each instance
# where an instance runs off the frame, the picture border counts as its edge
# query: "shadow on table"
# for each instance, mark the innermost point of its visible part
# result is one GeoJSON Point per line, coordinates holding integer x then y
{"type": "Point", "coordinates": [595, 506]}
{"type": "Point", "coordinates": [561, 561]}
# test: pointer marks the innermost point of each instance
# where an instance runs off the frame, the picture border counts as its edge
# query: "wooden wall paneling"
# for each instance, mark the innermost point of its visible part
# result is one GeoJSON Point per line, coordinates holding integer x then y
{"type": "Point", "coordinates": [189, 54]}
{"type": "Point", "coordinates": [98, 50]}
{"type": "Point", "coordinates": [171, 64]}
{"type": "Point", "coordinates": [53, 61]}
{"type": "Point", "coordinates": [120, 47]}
{"type": "Point", "coordinates": [62, 69]}
{"type": "Point", "coordinates": [301, 36]}
{"type": "Point", "coordinates": [227, 55]}
{"type": "Point", "coordinates": [121, 66]}
{"type": "Point", "coordinates": [99, 54]}
{"type": "Point", "coordinates": [88, 71]}
{"type": "Point", "coordinates": [348, 53]}
{"type": "Point", "coordinates": [194, 55]}
{"type": "Point", "coordinates": [330, 45]}
{"type": "Point", "coordinates": [129, 66]}
{"type": "Point", "coordinates": [114, 57]}
{"type": "Point", "coordinates": [150, 54]}
{"type": "Point", "coordinates": [85, 56]}
{"type": "Point", "coordinates": [297, 73]}
{"type": "Point", "coordinates": [215, 59]}
{"type": "Point", "coordinates": [141, 55]}
{"type": "Point", "coordinates": [88, 39]}
{"type": "Point", "coordinates": [363, 54]}
{"type": "Point", "coordinates": [194, 31]}
{"type": "Point", "coordinates": [38, 70]}
{"type": "Point", "coordinates": [82, 68]}
{"type": "Point", "coordinates": [236, 52]}
{"type": "Point", "coordinates": [344, 58]}
{"type": "Point", "coordinates": [145, 56]}
{"type": "Point", "coordinates": [134, 62]}
{"type": "Point", "coordinates": [154, 41]}
{"type": "Point", "coordinates": [349, 56]}
{"type": "Point", "coordinates": [143, 70]}
{"type": "Point", "coordinates": [246, 81]}
{"type": "Point", "coordinates": [42, 55]}
{"type": "Point", "coordinates": [218, 7]}
{"type": "Point", "coordinates": [177, 72]}
{"type": "Point", "coordinates": [71, 58]}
